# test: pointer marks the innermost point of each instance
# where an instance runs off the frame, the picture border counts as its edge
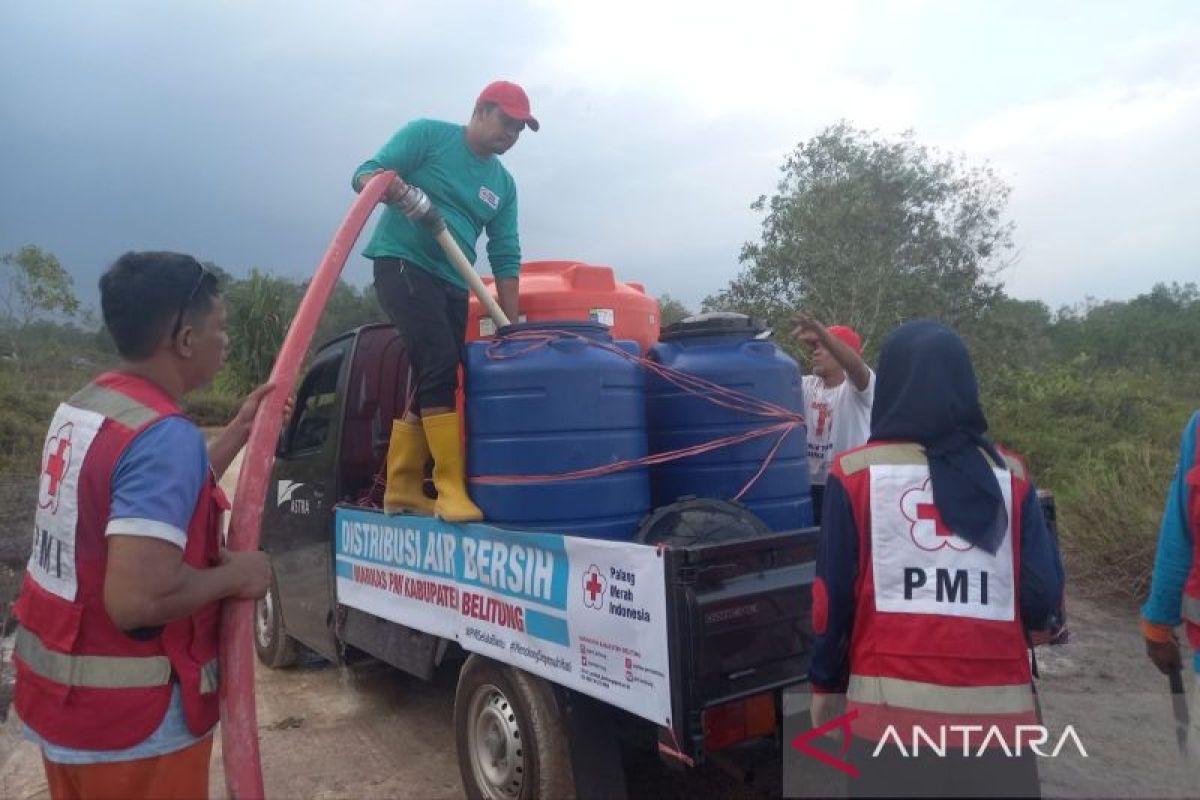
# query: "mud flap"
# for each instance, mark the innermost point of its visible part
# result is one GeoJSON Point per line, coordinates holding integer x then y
{"type": "Point", "coordinates": [405, 648]}
{"type": "Point", "coordinates": [595, 750]}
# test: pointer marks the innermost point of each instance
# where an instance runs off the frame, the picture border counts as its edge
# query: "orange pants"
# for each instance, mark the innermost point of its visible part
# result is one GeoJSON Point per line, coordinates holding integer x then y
{"type": "Point", "coordinates": [178, 775]}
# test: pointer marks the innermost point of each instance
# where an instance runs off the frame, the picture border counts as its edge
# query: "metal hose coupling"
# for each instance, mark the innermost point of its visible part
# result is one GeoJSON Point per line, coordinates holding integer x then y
{"type": "Point", "coordinates": [415, 205]}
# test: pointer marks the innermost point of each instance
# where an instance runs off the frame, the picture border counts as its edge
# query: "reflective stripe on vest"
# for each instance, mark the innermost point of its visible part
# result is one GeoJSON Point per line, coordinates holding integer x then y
{"type": "Point", "coordinates": [210, 677]}
{"type": "Point", "coordinates": [1191, 609]}
{"type": "Point", "coordinates": [114, 405]}
{"type": "Point", "coordinates": [1015, 465]}
{"type": "Point", "coordinates": [935, 698]}
{"type": "Point", "coordinates": [104, 672]}
{"type": "Point", "coordinates": [91, 672]}
{"type": "Point", "coordinates": [882, 454]}
{"type": "Point", "coordinates": [909, 453]}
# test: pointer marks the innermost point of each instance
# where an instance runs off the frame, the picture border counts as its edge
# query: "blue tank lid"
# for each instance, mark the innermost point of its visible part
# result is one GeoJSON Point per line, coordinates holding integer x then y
{"type": "Point", "coordinates": [592, 330]}
{"type": "Point", "coordinates": [714, 323]}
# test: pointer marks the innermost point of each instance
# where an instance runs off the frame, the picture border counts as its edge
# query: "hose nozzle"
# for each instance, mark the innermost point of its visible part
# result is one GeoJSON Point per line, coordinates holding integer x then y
{"type": "Point", "coordinates": [415, 205]}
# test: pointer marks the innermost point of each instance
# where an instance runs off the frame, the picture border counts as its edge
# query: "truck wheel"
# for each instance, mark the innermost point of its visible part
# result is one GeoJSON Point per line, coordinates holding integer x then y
{"type": "Point", "coordinates": [274, 647]}
{"type": "Point", "coordinates": [512, 743]}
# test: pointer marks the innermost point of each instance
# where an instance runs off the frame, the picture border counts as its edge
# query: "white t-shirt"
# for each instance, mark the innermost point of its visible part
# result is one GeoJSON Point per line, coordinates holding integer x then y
{"type": "Point", "coordinates": [839, 419]}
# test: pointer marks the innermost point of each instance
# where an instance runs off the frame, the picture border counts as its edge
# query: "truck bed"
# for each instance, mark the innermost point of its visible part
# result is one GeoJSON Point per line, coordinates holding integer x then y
{"type": "Point", "coordinates": [663, 633]}
{"type": "Point", "coordinates": [739, 616]}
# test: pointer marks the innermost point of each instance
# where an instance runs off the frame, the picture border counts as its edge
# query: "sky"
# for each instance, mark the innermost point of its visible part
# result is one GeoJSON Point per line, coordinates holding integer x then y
{"type": "Point", "coordinates": [230, 130]}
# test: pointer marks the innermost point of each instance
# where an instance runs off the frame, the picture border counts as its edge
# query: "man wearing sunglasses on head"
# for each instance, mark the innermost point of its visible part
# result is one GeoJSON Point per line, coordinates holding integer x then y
{"type": "Point", "coordinates": [457, 168]}
{"type": "Point", "coordinates": [116, 651]}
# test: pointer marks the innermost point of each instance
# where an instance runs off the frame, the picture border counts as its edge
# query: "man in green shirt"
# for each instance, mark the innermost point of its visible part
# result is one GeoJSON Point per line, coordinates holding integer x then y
{"type": "Point", "coordinates": [422, 293]}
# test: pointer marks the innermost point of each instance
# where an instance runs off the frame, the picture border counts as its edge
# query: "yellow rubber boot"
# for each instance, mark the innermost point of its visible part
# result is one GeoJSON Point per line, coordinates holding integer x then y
{"type": "Point", "coordinates": [443, 432]}
{"type": "Point", "coordinates": [406, 457]}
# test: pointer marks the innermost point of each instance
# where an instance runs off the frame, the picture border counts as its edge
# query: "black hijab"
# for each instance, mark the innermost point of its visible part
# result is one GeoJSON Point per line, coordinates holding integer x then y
{"type": "Point", "coordinates": [926, 392]}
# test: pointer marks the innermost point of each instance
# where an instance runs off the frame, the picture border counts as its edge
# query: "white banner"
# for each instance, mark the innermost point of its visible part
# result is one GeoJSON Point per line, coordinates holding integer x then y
{"type": "Point", "coordinates": [588, 614]}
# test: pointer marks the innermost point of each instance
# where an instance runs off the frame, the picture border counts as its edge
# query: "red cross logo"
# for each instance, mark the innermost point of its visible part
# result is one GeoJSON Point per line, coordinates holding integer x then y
{"type": "Point", "coordinates": [823, 416]}
{"type": "Point", "coordinates": [928, 511]}
{"type": "Point", "coordinates": [928, 530]}
{"type": "Point", "coordinates": [57, 459]}
{"type": "Point", "coordinates": [593, 588]}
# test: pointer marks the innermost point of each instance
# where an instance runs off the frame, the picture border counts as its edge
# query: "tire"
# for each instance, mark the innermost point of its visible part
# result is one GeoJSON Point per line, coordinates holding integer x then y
{"type": "Point", "coordinates": [511, 738]}
{"type": "Point", "coordinates": [271, 641]}
{"type": "Point", "coordinates": [700, 520]}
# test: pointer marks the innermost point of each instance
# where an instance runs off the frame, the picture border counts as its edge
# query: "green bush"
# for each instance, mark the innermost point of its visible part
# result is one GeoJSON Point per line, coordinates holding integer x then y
{"type": "Point", "coordinates": [25, 414]}
{"type": "Point", "coordinates": [1105, 441]}
{"type": "Point", "coordinates": [260, 309]}
{"type": "Point", "coordinates": [211, 408]}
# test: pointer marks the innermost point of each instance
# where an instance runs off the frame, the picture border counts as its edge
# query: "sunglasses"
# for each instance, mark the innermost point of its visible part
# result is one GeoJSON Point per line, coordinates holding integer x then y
{"type": "Point", "coordinates": [187, 301]}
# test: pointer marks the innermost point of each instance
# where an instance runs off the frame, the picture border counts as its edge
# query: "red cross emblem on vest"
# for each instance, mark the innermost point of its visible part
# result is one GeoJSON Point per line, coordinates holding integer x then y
{"type": "Point", "coordinates": [928, 531]}
{"type": "Point", "coordinates": [593, 587]}
{"type": "Point", "coordinates": [56, 461]}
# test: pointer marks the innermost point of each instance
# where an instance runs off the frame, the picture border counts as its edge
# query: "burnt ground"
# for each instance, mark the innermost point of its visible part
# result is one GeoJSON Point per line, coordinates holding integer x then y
{"type": "Point", "coordinates": [18, 499]}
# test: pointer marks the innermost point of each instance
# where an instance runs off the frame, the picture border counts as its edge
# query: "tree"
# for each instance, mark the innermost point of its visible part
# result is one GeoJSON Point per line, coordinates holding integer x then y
{"type": "Point", "coordinates": [1159, 328]}
{"type": "Point", "coordinates": [259, 310]}
{"type": "Point", "coordinates": [671, 310]}
{"type": "Point", "coordinates": [868, 232]}
{"type": "Point", "coordinates": [35, 284]}
{"type": "Point", "coordinates": [347, 309]}
{"type": "Point", "coordinates": [1010, 334]}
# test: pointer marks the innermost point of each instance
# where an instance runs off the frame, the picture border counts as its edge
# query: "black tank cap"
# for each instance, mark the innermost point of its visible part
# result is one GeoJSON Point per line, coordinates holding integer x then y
{"type": "Point", "coordinates": [714, 323]}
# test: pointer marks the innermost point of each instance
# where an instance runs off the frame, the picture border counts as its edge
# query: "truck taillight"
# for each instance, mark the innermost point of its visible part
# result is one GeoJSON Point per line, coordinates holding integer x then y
{"type": "Point", "coordinates": [730, 723]}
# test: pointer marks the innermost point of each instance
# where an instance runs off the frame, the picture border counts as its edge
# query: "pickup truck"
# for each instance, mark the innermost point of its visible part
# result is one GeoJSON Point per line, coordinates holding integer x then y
{"type": "Point", "coordinates": [727, 601]}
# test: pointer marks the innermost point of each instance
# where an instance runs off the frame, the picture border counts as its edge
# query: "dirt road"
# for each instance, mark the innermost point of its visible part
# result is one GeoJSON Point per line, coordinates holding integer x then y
{"type": "Point", "coordinates": [368, 731]}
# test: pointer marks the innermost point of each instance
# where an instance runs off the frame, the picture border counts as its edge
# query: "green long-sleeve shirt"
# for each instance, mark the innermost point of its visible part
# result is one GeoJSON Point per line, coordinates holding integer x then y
{"type": "Point", "coordinates": [473, 194]}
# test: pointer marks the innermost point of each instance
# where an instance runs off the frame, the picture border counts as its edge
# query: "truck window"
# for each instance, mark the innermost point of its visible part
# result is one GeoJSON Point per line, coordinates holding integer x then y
{"type": "Point", "coordinates": [375, 394]}
{"type": "Point", "coordinates": [316, 404]}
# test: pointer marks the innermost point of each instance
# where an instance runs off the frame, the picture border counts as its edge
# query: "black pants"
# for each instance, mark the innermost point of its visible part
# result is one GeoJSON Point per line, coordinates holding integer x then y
{"type": "Point", "coordinates": [817, 490]}
{"type": "Point", "coordinates": [431, 315]}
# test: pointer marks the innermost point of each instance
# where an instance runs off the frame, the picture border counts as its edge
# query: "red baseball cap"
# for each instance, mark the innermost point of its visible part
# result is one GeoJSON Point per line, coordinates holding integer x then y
{"type": "Point", "coordinates": [511, 99]}
{"type": "Point", "coordinates": [847, 335]}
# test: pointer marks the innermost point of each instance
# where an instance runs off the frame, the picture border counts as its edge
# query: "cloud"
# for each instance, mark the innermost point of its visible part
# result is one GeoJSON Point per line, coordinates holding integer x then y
{"type": "Point", "coordinates": [230, 130]}
{"type": "Point", "coordinates": [1103, 176]}
{"type": "Point", "coordinates": [1111, 113]}
{"type": "Point", "coordinates": [768, 59]}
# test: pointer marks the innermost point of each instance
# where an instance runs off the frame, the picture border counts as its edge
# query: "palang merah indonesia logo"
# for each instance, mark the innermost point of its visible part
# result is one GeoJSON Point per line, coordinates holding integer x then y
{"type": "Point", "coordinates": [593, 587]}
{"type": "Point", "coordinates": [928, 531]}
{"type": "Point", "coordinates": [56, 462]}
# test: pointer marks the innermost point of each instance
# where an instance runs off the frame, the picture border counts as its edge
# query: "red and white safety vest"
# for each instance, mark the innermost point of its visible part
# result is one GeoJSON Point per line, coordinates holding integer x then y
{"type": "Point", "coordinates": [81, 681]}
{"type": "Point", "coordinates": [937, 639]}
{"type": "Point", "coordinates": [1191, 589]}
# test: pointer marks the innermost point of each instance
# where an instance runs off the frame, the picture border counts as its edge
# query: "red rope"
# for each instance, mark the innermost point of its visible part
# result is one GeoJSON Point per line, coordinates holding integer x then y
{"type": "Point", "coordinates": [714, 393]}
{"type": "Point", "coordinates": [645, 461]}
{"type": "Point", "coordinates": [781, 420]}
{"type": "Point", "coordinates": [763, 468]}
{"type": "Point", "coordinates": [674, 750]}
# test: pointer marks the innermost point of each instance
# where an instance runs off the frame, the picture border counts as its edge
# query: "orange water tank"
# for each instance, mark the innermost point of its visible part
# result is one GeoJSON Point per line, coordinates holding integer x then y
{"type": "Point", "coordinates": [572, 290]}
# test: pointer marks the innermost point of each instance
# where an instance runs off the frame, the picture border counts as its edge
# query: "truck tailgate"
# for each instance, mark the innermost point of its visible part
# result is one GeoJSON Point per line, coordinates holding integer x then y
{"type": "Point", "coordinates": [739, 621]}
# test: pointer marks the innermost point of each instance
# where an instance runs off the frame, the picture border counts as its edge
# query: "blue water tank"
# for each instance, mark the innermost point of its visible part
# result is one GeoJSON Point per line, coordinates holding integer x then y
{"type": "Point", "coordinates": [556, 405]}
{"type": "Point", "coordinates": [728, 350]}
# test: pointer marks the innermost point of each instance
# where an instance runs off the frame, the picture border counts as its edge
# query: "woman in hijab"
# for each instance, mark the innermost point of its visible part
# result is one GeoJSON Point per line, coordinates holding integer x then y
{"type": "Point", "coordinates": [935, 565]}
